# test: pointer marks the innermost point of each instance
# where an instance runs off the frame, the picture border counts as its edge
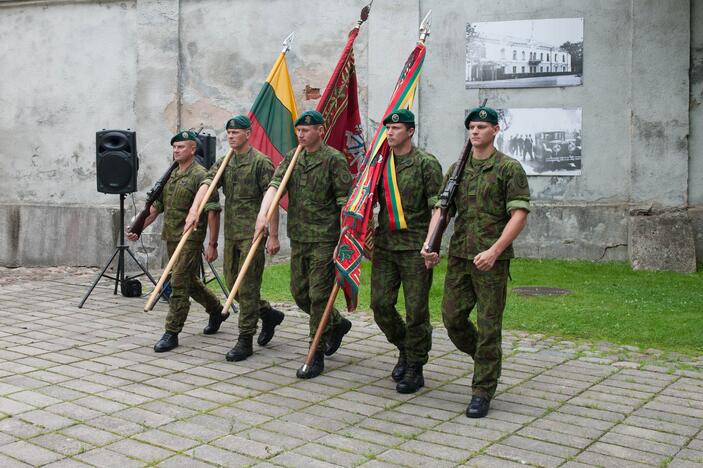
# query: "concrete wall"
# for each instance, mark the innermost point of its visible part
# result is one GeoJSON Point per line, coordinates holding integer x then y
{"type": "Point", "coordinates": [161, 65]}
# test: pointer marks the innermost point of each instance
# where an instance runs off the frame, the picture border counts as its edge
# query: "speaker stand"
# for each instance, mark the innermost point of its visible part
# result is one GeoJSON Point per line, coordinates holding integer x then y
{"type": "Point", "coordinates": [119, 253]}
{"type": "Point", "coordinates": [215, 277]}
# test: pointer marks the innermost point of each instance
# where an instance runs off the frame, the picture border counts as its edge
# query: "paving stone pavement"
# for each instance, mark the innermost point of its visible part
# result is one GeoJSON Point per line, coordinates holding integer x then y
{"type": "Point", "coordinates": [82, 387]}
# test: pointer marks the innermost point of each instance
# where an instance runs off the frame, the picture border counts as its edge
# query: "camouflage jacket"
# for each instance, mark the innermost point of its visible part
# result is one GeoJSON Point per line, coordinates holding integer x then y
{"type": "Point", "coordinates": [175, 201]}
{"type": "Point", "coordinates": [488, 191]}
{"type": "Point", "coordinates": [244, 183]}
{"type": "Point", "coordinates": [317, 189]}
{"type": "Point", "coordinates": [419, 177]}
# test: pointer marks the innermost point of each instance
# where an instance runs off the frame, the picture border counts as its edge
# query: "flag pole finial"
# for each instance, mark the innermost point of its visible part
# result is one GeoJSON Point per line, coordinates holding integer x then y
{"type": "Point", "coordinates": [287, 42]}
{"type": "Point", "coordinates": [425, 26]}
{"type": "Point", "coordinates": [364, 14]}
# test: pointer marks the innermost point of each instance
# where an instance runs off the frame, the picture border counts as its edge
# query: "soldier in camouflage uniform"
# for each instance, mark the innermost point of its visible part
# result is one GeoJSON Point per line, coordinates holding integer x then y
{"type": "Point", "coordinates": [318, 188]}
{"type": "Point", "coordinates": [175, 201]}
{"type": "Point", "coordinates": [491, 205]}
{"type": "Point", "coordinates": [397, 259]}
{"type": "Point", "coordinates": [244, 183]}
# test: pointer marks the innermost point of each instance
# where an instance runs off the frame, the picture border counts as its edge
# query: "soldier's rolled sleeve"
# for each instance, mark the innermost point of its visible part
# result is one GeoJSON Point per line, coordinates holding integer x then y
{"type": "Point", "coordinates": [341, 179]}
{"type": "Point", "coordinates": [213, 206]}
{"type": "Point", "coordinates": [432, 173]}
{"type": "Point", "coordinates": [518, 204]}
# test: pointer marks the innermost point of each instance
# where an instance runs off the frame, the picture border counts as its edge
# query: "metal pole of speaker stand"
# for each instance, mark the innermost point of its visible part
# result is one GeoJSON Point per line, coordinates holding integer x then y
{"type": "Point", "coordinates": [119, 274]}
{"type": "Point", "coordinates": [215, 277]}
{"type": "Point", "coordinates": [119, 253]}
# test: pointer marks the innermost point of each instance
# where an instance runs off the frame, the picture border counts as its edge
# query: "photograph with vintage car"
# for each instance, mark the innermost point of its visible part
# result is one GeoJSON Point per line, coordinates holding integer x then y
{"type": "Point", "coordinates": [546, 141]}
{"type": "Point", "coordinates": [524, 53]}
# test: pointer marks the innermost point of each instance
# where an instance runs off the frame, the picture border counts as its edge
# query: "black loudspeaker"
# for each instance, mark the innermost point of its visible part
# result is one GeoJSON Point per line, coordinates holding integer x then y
{"type": "Point", "coordinates": [116, 161]}
{"type": "Point", "coordinates": [206, 150]}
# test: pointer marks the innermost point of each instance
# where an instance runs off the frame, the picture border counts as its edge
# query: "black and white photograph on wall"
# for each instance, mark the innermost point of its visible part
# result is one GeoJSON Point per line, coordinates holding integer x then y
{"type": "Point", "coordinates": [546, 141]}
{"type": "Point", "coordinates": [524, 54]}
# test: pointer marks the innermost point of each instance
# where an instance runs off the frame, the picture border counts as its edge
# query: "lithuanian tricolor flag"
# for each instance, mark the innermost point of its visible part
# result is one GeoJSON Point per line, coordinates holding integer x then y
{"type": "Point", "coordinates": [273, 114]}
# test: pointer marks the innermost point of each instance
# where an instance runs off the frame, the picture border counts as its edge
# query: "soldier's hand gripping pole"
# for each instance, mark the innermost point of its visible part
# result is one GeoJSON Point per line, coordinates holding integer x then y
{"type": "Point", "coordinates": [172, 261]}
{"type": "Point", "coordinates": [260, 235]}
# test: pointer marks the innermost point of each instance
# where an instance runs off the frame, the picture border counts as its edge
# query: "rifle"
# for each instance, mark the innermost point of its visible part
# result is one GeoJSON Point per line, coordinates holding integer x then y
{"type": "Point", "coordinates": [137, 225]}
{"type": "Point", "coordinates": [445, 199]}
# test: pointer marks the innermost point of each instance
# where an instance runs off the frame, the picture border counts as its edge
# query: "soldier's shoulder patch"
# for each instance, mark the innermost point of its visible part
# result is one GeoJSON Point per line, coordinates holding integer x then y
{"type": "Point", "coordinates": [520, 179]}
{"type": "Point", "coordinates": [345, 177]}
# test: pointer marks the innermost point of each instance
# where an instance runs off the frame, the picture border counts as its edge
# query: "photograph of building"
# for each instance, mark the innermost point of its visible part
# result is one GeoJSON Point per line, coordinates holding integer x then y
{"type": "Point", "coordinates": [523, 54]}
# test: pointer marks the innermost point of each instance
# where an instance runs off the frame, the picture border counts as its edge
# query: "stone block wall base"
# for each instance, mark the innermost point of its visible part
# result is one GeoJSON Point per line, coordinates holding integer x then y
{"type": "Point", "coordinates": [696, 216]}
{"type": "Point", "coordinates": [663, 241]}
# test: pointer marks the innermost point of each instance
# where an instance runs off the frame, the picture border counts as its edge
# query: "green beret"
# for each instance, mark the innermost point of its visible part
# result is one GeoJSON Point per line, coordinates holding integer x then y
{"type": "Point", "coordinates": [400, 116]}
{"type": "Point", "coordinates": [185, 135]}
{"type": "Point", "coordinates": [238, 121]}
{"type": "Point", "coordinates": [482, 114]}
{"type": "Point", "coordinates": [310, 117]}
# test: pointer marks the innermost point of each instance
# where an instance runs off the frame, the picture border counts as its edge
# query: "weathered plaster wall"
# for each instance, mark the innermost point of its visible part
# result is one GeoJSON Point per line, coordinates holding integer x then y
{"type": "Point", "coordinates": [160, 65]}
{"type": "Point", "coordinates": [228, 48]}
{"type": "Point", "coordinates": [68, 70]}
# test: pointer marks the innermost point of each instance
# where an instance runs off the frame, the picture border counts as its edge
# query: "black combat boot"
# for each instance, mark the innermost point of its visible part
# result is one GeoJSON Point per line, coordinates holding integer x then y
{"type": "Point", "coordinates": [214, 322]}
{"type": "Point", "coordinates": [336, 335]}
{"type": "Point", "coordinates": [270, 319]}
{"type": "Point", "coordinates": [314, 369]}
{"type": "Point", "coordinates": [478, 407]}
{"type": "Point", "coordinates": [400, 367]}
{"type": "Point", "coordinates": [412, 380]}
{"type": "Point", "coordinates": [168, 341]}
{"type": "Point", "coordinates": [242, 350]}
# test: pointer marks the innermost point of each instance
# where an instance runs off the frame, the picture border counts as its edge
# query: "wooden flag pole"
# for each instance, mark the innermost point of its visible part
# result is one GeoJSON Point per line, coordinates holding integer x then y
{"type": "Point", "coordinates": [257, 239]}
{"type": "Point", "coordinates": [172, 261]}
{"type": "Point", "coordinates": [320, 329]}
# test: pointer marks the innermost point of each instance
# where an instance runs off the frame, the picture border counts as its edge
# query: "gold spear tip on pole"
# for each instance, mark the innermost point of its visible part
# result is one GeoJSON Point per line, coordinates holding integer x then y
{"type": "Point", "coordinates": [287, 42]}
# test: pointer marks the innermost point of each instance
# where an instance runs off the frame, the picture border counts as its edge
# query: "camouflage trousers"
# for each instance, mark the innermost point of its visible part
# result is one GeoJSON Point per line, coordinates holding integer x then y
{"type": "Point", "coordinates": [186, 284]}
{"type": "Point", "coordinates": [390, 269]}
{"type": "Point", "coordinates": [464, 287]}
{"type": "Point", "coordinates": [311, 282]}
{"type": "Point", "coordinates": [249, 294]}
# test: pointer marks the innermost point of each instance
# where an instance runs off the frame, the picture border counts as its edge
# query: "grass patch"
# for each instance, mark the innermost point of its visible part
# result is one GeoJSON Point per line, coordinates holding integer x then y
{"type": "Point", "coordinates": [608, 301]}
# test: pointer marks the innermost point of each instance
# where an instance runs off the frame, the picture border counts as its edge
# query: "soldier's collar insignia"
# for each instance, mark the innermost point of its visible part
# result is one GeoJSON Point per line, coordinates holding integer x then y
{"type": "Point", "coordinates": [395, 117]}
